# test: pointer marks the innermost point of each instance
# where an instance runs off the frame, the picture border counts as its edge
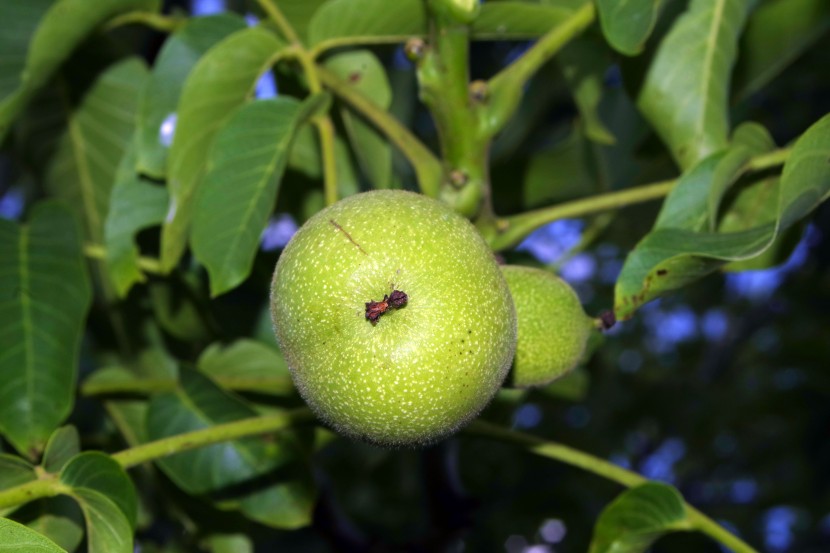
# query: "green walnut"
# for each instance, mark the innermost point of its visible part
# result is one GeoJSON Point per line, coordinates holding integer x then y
{"type": "Point", "coordinates": [553, 328]}
{"type": "Point", "coordinates": [394, 318]}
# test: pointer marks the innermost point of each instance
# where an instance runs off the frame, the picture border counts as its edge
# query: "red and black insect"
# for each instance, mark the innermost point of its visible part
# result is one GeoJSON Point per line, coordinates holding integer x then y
{"type": "Point", "coordinates": [395, 300]}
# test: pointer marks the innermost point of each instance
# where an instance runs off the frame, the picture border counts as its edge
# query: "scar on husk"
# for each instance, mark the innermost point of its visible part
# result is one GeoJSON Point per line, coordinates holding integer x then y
{"type": "Point", "coordinates": [349, 236]}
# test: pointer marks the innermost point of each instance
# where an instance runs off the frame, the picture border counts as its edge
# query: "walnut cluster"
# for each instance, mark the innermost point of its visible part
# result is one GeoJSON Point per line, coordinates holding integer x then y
{"type": "Point", "coordinates": [395, 300]}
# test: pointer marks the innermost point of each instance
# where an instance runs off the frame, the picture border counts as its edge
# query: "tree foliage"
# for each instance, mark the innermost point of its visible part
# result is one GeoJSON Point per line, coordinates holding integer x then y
{"type": "Point", "coordinates": [148, 164]}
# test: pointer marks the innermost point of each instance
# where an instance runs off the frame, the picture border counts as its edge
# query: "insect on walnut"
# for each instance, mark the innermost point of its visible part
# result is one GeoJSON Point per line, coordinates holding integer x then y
{"type": "Point", "coordinates": [395, 300]}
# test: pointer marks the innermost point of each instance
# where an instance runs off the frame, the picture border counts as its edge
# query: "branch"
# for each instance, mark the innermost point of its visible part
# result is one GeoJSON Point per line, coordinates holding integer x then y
{"type": "Point", "coordinates": [601, 467]}
{"type": "Point", "coordinates": [323, 124]}
{"type": "Point", "coordinates": [427, 167]}
{"type": "Point", "coordinates": [505, 88]}
{"type": "Point", "coordinates": [506, 232]}
{"type": "Point", "coordinates": [50, 485]}
{"type": "Point", "coordinates": [509, 231]}
{"type": "Point", "coordinates": [146, 264]}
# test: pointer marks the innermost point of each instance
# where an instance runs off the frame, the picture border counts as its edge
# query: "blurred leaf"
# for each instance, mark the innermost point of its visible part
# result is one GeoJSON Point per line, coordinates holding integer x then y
{"type": "Point", "coordinates": [299, 14]}
{"type": "Point", "coordinates": [341, 22]}
{"type": "Point", "coordinates": [362, 70]}
{"type": "Point", "coordinates": [63, 444]}
{"type": "Point", "coordinates": [638, 517]}
{"type": "Point", "coordinates": [20, 539]}
{"type": "Point", "coordinates": [98, 133]}
{"type": "Point", "coordinates": [13, 472]}
{"type": "Point", "coordinates": [98, 472]}
{"type": "Point", "coordinates": [58, 518]}
{"type": "Point", "coordinates": [229, 543]}
{"type": "Point", "coordinates": [685, 93]}
{"type": "Point", "coordinates": [18, 22]}
{"type": "Point", "coordinates": [516, 20]}
{"type": "Point", "coordinates": [561, 173]}
{"type": "Point", "coordinates": [129, 417]}
{"type": "Point", "coordinates": [247, 474]}
{"type": "Point", "coordinates": [247, 366]}
{"type": "Point", "coordinates": [135, 204]}
{"type": "Point", "coordinates": [63, 26]}
{"type": "Point", "coordinates": [676, 252]}
{"type": "Point", "coordinates": [47, 294]}
{"type": "Point", "coordinates": [177, 309]}
{"type": "Point", "coordinates": [221, 81]}
{"type": "Point", "coordinates": [348, 181]}
{"type": "Point", "coordinates": [171, 68]}
{"type": "Point", "coordinates": [245, 167]}
{"type": "Point", "coordinates": [777, 33]}
{"type": "Point", "coordinates": [573, 386]}
{"type": "Point", "coordinates": [627, 24]}
{"type": "Point", "coordinates": [584, 64]}
{"type": "Point", "coordinates": [107, 528]}
{"type": "Point", "coordinates": [304, 155]}
{"type": "Point", "coordinates": [750, 140]}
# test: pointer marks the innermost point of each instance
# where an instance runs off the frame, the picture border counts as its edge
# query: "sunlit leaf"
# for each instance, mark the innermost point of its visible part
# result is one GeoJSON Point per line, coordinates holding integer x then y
{"type": "Point", "coordinates": [173, 64]}
{"type": "Point", "coordinates": [222, 80]}
{"type": "Point", "coordinates": [48, 294]}
{"type": "Point", "coordinates": [627, 24]}
{"type": "Point", "coordinates": [685, 94]}
{"type": "Point", "coordinates": [16, 538]}
{"type": "Point", "coordinates": [638, 517]}
{"type": "Point", "coordinates": [363, 71]}
{"type": "Point", "coordinates": [679, 251]}
{"type": "Point", "coordinates": [245, 167]}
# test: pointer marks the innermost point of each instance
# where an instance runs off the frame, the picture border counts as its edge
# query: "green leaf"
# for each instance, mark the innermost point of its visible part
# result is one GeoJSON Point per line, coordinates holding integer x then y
{"type": "Point", "coordinates": [685, 94]}
{"type": "Point", "coordinates": [13, 472]}
{"type": "Point", "coordinates": [135, 204]}
{"type": "Point", "coordinates": [228, 543]}
{"type": "Point", "coordinates": [98, 133]}
{"type": "Point", "coordinates": [245, 167]}
{"type": "Point", "coordinates": [678, 251]}
{"type": "Point", "coordinates": [173, 64]}
{"type": "Point", "coordinates": [248, 474]}
{"type": "Point", "coordinates": [16, 538]}
{"type": "Point", "coordinates": [41, 319]}
{"type": "Point", "coordinates": [18, 22]}
{"type": "Point", "coordinates": [584, 65]}
{"type": "Point", "coordinates": [349, 22]}
{"type": "Point", "coordinates": [98, 472]}
{"type": "Point", "coordinates": [561, 173]}
{"type": "Point", "coordinates": [344, 22]}
{"type": "Point", "coordinates": [750, 140]}
{"type": "Point", "coordinates": [248, 366]}
{"type": "Point", "coordinates": [107, 528]}
{"type": "Point", "coordinates": [63, 26]}
{"type": "Point", "coordinates": [63, 444]}
{"type": "Point", "coordinates": [516, 20]}
{"type": "Point", "coordinates": [638, 517]}
{"type": "Point", "coordinates": [221, 81]}
{"type": "Point", "coordinates": [58, 518]}
{"type": "Point", "coordinates": [777, 33]}
{"type": "Point", "coordinates": [362, 70]}
{"type": "Point", "coordinates": [627, 24]}
{"type": "Point", "coordinates": [299, 14]}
